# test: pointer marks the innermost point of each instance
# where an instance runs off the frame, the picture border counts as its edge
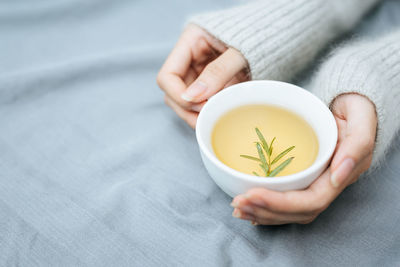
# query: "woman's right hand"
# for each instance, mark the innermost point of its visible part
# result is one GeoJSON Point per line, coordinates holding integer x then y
{"type": "Point", "coordinates": [356, 119]}
{"type": "Point", "coordinates": [198, 67]}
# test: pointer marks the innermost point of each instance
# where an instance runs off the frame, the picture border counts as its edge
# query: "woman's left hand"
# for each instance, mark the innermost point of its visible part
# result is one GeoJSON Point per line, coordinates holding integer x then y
{"type": "Point", "coordinates": [356, 120]}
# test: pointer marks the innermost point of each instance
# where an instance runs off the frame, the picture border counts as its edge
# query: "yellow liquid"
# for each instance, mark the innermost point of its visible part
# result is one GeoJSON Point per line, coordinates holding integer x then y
{"type": "Point", "coordinates": [234, 134]}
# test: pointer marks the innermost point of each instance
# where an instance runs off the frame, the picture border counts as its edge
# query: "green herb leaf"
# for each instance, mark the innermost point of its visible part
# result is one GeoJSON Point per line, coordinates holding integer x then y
{"type": "Point", "coordinates": [256, 174]}
{"type": "Point", "coordinates": [280, 167]}
{"type": "Point", "coordinates": [250, 157]}
{"type": "Point", "coordinates": [261, 154]}
{"type": "Point", "coordinates": [282, 154]}
{"type": "Point", "coordinates": [270, 147]}
{"type": "Point", "coordinates": [264, 169]}
{"type": "Point", "coordinates": [262, 139]}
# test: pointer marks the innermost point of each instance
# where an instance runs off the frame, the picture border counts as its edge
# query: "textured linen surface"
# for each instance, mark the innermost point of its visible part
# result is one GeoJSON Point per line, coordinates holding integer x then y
{"type": "Point", "coordinates": [96, 171]}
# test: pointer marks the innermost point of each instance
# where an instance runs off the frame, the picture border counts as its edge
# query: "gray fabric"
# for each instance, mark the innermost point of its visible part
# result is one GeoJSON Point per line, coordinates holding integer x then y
{"type": "Point", "coordinates": [96, 171]}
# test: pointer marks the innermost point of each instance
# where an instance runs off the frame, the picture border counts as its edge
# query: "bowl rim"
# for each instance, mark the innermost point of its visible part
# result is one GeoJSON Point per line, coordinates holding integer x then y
{"type": "Point", "coordinates": [268, 180]}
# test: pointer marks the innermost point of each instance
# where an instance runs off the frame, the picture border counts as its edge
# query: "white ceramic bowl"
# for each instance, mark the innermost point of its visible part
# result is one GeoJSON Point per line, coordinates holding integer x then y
{"type": "Point", "coordinates": [285, 95]}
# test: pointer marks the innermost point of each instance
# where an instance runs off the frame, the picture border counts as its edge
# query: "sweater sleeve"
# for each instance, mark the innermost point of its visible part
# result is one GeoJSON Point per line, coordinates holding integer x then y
{"type": "Point", "coordinates": [279, 38]}
{"type": "Point", "coordinates": [370, 68]}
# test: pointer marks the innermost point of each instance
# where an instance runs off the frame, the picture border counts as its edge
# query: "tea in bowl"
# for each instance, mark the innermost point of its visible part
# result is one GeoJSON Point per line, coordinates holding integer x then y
{"type": "Point", "coordinates": [265, 134]}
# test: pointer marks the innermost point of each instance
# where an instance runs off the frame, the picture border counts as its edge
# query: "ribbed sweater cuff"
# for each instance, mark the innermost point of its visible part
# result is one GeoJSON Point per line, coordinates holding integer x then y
{"type": "Point", "coordinates": [370, 68]}
{"type": "Point", "coordinates": [279, 38]}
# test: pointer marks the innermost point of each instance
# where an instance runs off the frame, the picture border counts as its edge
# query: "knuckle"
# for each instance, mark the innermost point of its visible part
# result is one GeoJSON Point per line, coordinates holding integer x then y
{"type": "Point", "coordinates": [314, 208]}
{"type": "Point", "coordinates": [318, 205]}
{"type": "Point", "coordinates": [203, 46]}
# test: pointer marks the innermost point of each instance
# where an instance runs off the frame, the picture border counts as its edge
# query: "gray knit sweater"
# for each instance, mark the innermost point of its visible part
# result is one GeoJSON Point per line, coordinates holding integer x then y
{"type": "Point", "coordinates": [280, 38]}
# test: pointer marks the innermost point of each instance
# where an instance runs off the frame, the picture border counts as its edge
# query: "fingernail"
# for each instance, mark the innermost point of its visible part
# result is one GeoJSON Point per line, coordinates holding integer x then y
{"type": "Point", "coordinates": [256, 201]}
{"type": "Point", "coordinates": [247, 209]}
{"type": "Point", "coordinates": [246, 196]}
{"type": "Point", "coordinates": [197, 108]}
{"type": "Point", "coordinates": [254, 223]}
{"type": "Point", "coordinates": [341, 173]}
{"type": "Point", "coordinates": [236, 213]}
{"type": "Point", "coordinates": [234, 204]}
{"type": "Point", "coordinates": [194, 90]}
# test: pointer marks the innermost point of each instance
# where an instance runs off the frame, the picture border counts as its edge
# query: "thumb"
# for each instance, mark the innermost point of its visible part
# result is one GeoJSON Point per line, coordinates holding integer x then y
{"type": "Point", "coordinates": [215, 76]}
{"type": "Point", "coordinates": [356, 137]}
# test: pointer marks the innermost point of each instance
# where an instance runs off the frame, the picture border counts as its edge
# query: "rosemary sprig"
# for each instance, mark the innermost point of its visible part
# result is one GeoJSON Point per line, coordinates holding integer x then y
{"type": "Point", "coordinates": [265, 156]}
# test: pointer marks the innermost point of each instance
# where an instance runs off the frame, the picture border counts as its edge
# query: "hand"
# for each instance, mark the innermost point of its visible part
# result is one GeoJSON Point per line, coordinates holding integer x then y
{"type": "Point", "coordinates": [356, 120]}
{"type": "Point", "coordinates": [198, 67]}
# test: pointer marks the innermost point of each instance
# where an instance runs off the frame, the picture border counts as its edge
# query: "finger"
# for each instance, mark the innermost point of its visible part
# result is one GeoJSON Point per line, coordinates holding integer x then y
{"type": "Point", "coordinates": [202, 53]}
{"type": "Point", "coordinates": [215, 76]}
{"type": "Point", "coordinates": [300, 206]}
{"type": "Point", "coordinates": [188, 116]}
{"type": "Point", "coordinates": [179, 60]}
{"type": "Point", "coordinates": [173, 86]}
{"type": "Point", "coordinates": [262, 221]}
{"type": "Point", "coordinates": [357, 125]}
{"type": "Point", "coordinates": [190, 76]}
{"type": "Point", "coordinates": [170, 77]}
{"type": "Point", "coordinates": [310, 201]}
{"type": "Point", "coordinates": [276, 202]}
{"type": "Point", "coordinates": [200, 62]}
{"type": "Point", "coordinates": [198, 107]}
{"type": "Point", "coordinates": [211, 41]}
{"type": "Point", "coordinates": [260, 213]}
{"type": "Point", "coordinates": [358, 170]}
{"type": "Point", "coordinates": [357, 138]}
{"type": "Point", "coordinates": [266, 221]}
{"type": "Point", "coordinates": [198, 68]}
{"type": "Point", "coordinates": [240, 77]}
{"type": "Point", "coordinates": [237, 213]}
{"type": "Point", "coordinates": [321, 192]}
